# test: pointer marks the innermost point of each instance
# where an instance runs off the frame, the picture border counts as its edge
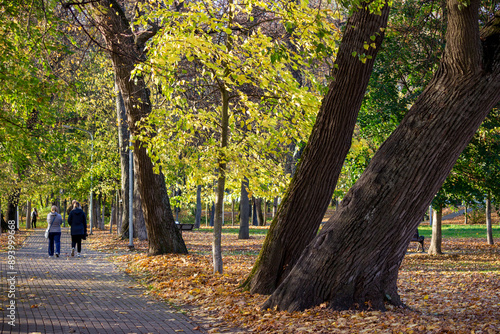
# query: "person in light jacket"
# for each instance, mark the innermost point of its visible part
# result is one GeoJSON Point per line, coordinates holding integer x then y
{"type": "Point", "coordinates": [78, 222]}
{"type": "Point", "coordinates": [54, 221]}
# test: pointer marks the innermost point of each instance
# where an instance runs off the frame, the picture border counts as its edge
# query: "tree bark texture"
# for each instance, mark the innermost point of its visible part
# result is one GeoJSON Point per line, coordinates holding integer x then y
{"type": "Point", "coordinates": [306, 201]}
{"type": "Point", "coordinates": [126, 50]}
{"type": "Point", "coordinates": [244, 232]}
{"type": "Point", "coordinates": [354, 260]}
{"type": "Point", "coordinates": [436, 240]}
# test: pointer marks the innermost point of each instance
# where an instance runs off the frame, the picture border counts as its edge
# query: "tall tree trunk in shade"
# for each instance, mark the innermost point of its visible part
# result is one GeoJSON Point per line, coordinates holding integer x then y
{"type": "Point", "coordinates": [123, 143]}
{"type": "Point", "coordinates": [436, 240]}
{"type": "Point", "coordinates": [197, 220]}
{"type": "Point", "coordinates": [126, 49]}
{"type": "Point", "coordinates": [355, 258]}
{"type": "Point", "coordinates": [28, 215]}
{"type": "Point", "coordinates": [489, 227]}
{"type": "Point", "coordinates": [244, 232]}
{"type": "Point", "coordinates": [310, 191]}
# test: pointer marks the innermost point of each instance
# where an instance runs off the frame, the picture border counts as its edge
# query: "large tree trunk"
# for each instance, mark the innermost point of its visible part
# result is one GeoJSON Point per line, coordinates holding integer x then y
{"type": "Point", "coordinates": [489, 227]}
{"type": "Point", "coordinates": [126, 50]}
{"type": "Point", "coordinates": [244, 232]}
{"type": "Point", "coordinates": [354, 260]}
{"type": "Point", "coordinates": [435, 246]}
{"type": "Point", "coordinates": [296, 223]}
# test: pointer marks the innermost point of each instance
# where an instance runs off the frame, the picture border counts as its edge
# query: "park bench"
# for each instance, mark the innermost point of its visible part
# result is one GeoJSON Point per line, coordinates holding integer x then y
{"type": "Point", "coordinates": [184, 227]}
{"type": "Point", "coordinates": [420, 239]}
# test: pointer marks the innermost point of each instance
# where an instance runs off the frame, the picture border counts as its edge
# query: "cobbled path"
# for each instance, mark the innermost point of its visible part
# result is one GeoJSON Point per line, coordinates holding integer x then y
{"type": "Point", "coordinates": [78, 295]}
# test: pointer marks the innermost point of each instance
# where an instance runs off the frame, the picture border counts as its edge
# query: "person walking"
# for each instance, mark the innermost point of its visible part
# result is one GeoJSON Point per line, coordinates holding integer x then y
{"type": "Point", "coordinates": [78, 222]}
{"type": "Point", "coordinates": [34, 216]}
{"type": "Point", "coordinates": [54, 221]}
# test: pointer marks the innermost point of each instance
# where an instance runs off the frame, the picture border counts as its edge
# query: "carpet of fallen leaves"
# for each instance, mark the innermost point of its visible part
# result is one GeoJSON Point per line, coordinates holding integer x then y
{"type": "Point", "coordinates": [458, 292]}
{"type": "Point", "coordinates": [17, 239]}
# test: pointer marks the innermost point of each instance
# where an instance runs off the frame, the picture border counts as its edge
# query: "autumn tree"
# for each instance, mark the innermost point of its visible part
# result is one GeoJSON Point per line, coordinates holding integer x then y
{"type": "Point", "coordinates": [126, 49]}
{"type": "Point", "coordinates": [232, 101]}
{"type": "Point", "coordinates": [311, 189]}
{"type": "Point", "coordinates": [354, 260]}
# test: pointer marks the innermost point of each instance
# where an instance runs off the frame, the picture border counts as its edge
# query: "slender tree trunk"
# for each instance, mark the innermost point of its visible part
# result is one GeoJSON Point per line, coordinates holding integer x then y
{"type": "Point", "coordinates": [355, 258]}
{"type": "Point", "coordinates": [489, 226]}
{"type": "Point", "coordinates": [197, 220]}
{"type": "Point", "coordinates": [28, 215]}
{"type": "Point", "coordinates": [244, 232]}
{"type": "Point", "coordinates": [466, 219]}
{"type": "Point", "coordinates": [232, 212]}
{"type": "Point", "coordinates": [296, 224]}
{"type": "Point", "coordinates": [100, 212]}
{"type": "Point", "coordinates": [258, 212]}
{"type": "Point", "coordinates": [265, 212]}
{"type": "Point", "coordinates": [221, 185]}
{"type": "Point", "coordinates": [123, 146]}
{"type": "Point", "coordinates": [126, 49]}
{"type": "Point", "coordinates": [436, 240]}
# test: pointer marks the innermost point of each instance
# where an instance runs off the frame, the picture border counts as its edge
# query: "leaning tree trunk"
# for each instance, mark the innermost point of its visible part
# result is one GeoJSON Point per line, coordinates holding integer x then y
{"type": "Point", "coordinates": [489, 227]}
{"type": "Point", "coordinates": [435, 246]}
{"type": "Point", "coordinates": [126, 50]}
{"type": "Point", "coordinates": [354, 260]}
{"type": "Point", "coordinates": [306, 201]}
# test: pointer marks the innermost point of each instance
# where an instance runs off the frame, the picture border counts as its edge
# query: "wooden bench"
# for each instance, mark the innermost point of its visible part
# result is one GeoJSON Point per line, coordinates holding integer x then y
{"type": "Point", "coordinates": [420, 239]}
{"type": "Point", "coordinates": [184, 227]}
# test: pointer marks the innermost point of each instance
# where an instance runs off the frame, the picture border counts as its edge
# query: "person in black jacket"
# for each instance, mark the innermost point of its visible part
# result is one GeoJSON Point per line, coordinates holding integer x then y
{"type": "Point", "coordinates": [78, 222]}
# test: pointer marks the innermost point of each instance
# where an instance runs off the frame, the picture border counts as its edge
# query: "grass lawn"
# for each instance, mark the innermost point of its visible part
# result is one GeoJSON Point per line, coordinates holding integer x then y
{"type": "Point", "coordinates": [460, 231]}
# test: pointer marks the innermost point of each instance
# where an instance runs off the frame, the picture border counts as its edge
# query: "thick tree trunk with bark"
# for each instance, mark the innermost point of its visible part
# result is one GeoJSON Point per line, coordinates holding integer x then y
{"type": "Point", "coordinates": [244, 232]}
{"type": "Point", "coordinates": [296, 224]}
{"type": "Point", "coordinates": [354, 260]}
{"type": "Point", "coordinates": [436, 240]}
{"type": "Point", "coordinates": [126, 50]}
